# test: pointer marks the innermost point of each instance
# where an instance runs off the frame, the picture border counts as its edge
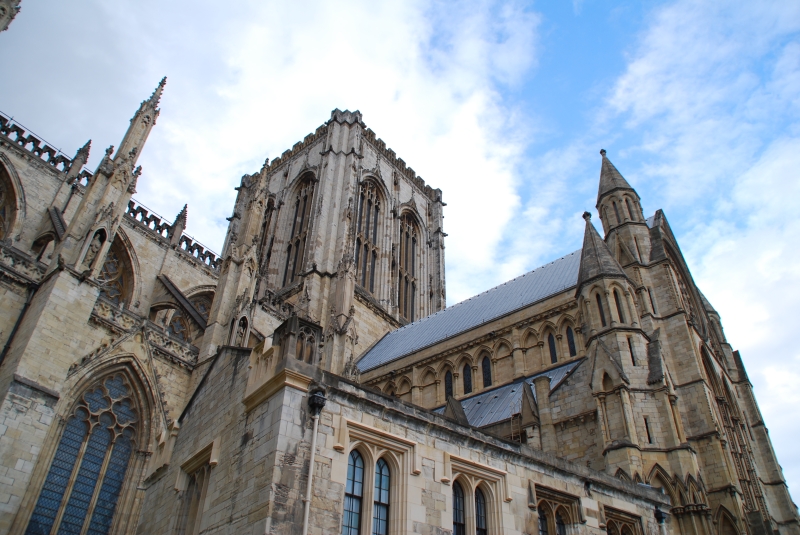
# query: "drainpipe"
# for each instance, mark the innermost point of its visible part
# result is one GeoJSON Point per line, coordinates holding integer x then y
{"type": "Point", "coordinates": [316, 401]}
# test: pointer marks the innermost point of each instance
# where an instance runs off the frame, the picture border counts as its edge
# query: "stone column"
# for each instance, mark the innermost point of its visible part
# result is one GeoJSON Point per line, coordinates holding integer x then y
{"type": "Point", "coordinates": [548, 430]}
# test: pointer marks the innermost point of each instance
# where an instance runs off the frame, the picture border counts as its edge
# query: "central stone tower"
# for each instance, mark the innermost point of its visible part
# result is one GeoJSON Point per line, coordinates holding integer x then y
{"type": "Point", "coordinates": [338, 231]}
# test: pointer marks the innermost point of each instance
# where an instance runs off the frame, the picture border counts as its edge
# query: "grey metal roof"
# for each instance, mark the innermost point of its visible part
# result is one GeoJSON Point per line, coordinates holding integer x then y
{"type": "Point", "coordinates": [501, 403]}
{"type": "Point", "coordinates": [510, 296]}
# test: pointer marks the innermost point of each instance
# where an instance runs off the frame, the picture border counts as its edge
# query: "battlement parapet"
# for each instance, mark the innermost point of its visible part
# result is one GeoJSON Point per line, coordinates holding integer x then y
{"type": "Point", "coordinates": [309, 140]}
{"type": "Point", "coordinates": [163, 229]}
{"type": "Point", "coordinates": [16, 135]}
{"type": "Point", "coordinates": [380, 145]}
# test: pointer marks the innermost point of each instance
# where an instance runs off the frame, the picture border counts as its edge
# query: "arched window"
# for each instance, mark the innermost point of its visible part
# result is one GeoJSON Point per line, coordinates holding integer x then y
{"type": "Point", "coordinates": [630, 212]}
{"type": "Point", "coordinates": [600, 310]}
{"type": "Point", "coordinates": [116, 275]}
{"type": "Point", "coordinates": [467, 379]}
{"type": "Point", "coordinates": [448, 385]}
{"type": "Point", "coordinates": [571, 342]}
{"type": "Point", "coordinates": [459, 525]}
{"type": "Point", "coordinates": [480, 513]}
{"type": "Point", "coordinates": [551, 342]}
{"type": "Point", "coordinates": [369, 208]}
{"type": "Point", "coordinates": [178, 326]}
{"type": "Point", "coordinates": [203, 303]}
{"type": "Point", "coordinates": [619, 307]}
{"type": "Point", "coordinates": [407, 268]}
{"type": "Point", "coordinates": [90, 462]}
{"type": "Point", "coordinates": [616, 213]}
{"type": "Point", "coordinates": [561, 528]}
{"type": "Point", "coordinates": [305, 349]}
{"type": "Point", "coordinates": [265, 244]}
{"type": "Point", "coordinates": [486, 365]}
{"type": "Point", "coordinates": [543, 520]}
{"type": "Point", "coordinates": [8, 204]}
{"type": "Point", "coordinates": [380, 517]}
{"type": "Point", "coordinates": [351, 524]}
{"type": "Point", "coordinates": [301, 220]}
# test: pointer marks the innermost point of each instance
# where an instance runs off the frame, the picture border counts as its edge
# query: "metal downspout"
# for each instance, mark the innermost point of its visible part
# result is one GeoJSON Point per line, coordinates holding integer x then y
{"type": "Point", "coordinates": [316, 401]}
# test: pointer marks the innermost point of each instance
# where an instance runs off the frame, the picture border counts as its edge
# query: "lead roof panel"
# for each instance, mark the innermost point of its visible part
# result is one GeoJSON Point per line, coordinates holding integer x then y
{"type": "Point", "coordinates": [518, 293]}
{"type": "Point", "coordinates": [501, 403]}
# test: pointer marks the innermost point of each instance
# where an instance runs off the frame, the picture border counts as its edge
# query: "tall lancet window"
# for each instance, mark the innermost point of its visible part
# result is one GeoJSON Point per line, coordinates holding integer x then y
{"type": "Point", "coordinates": [301, 221]}
{"type": "Point", "coordinates": [407, 267]}
{"type": "Point", "coordinates": [353, 494]}
{"type": "Point", "coordinates": [86, 475]}
{"type": "Point", "coordinates": [367, 235]}
{"type": "Point", "coordinates": [380, 516]}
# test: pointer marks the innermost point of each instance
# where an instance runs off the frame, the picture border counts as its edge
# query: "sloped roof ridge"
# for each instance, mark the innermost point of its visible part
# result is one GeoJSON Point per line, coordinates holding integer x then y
{"type": "Point", "coordinates": [518, 277]}
{"type": "Point", "coordinates": [469, 314]}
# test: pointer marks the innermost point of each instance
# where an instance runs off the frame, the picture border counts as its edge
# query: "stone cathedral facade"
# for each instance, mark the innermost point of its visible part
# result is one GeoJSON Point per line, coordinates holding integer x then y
{"type": "Point", "coordinates": [309, 379]}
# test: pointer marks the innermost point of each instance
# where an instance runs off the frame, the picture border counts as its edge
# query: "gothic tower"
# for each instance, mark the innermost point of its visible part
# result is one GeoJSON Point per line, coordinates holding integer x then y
{"type": "Point", "coordinates": [338, 231]}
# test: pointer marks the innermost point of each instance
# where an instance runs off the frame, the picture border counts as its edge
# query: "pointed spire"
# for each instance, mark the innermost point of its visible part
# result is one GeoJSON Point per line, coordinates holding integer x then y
{"type": "Point", "coordinates": [610, 178]}
{"type": "Point", "coordinates": [83, 152]}
{"type": "Point", "coordinates": [179, 225]}
{"type": "Point", "coordinates": [596, 259]}
{"type": "Point", "coordinates": [80, 159]}
{"type": "Point", "coordinates": [155, 98]}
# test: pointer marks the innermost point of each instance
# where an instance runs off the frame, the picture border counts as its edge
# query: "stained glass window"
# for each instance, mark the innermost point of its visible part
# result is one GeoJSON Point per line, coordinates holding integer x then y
{"type": "Point", "coordinates": [459, 526]}
{"type": "Point", "coordinates": [178, 326]}
{"type": "Point", "coordinates": [480, 513]}
{"type": "Point", "coordinates": [351, 524]}
{"type": "Point", "coordinates": [380, 517]}
{"type": "Point", "coordinates": [90, 463]}
{"type": "Point", "coordinates": [467, 379]}
{"type": "Point", "coordinates": [203, 304]}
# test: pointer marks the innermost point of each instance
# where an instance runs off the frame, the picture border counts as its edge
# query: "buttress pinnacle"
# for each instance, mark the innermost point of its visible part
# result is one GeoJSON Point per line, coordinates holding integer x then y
{"type": "Point", "coordinates": [155, 98]}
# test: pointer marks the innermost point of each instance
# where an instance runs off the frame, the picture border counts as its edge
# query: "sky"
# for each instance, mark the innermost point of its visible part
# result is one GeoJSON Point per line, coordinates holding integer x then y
{"type": "Point", "coordinates": [504, 105]}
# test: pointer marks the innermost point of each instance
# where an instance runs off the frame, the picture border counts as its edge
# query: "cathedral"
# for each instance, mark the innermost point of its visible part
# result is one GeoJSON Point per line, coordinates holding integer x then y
{"type": "Point", "coordinates": [310, 379]}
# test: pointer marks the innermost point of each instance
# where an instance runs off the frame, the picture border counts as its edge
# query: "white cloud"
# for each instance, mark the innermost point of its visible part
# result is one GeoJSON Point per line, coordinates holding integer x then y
{"type": "Point", "coordinates": [709, 98]}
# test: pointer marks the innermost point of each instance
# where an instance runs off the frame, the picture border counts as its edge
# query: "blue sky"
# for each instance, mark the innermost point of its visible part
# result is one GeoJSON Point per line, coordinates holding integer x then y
{"type": "Point", "coordinates": [504, 105]}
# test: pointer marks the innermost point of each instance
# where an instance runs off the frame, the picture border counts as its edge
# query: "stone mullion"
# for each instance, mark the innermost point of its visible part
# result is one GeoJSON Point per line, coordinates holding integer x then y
{"type": "Point", "coordinates": [99, 483]}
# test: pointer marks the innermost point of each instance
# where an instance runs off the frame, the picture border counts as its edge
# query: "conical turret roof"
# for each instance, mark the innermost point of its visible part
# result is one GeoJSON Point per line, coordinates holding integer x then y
{"type": "Point", "coordinates": [596, 258]}
{"type": "Point", "coordinates": [610, 178]}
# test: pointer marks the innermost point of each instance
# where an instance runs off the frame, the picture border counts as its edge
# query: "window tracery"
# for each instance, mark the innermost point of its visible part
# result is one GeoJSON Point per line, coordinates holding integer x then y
{"type": "Point", "coordinates": [367, 246]}
{"type": "Point", "coordinates": [89, 467]}
{"type": "Point", "coordinates": [306, 342]}
{"type": "Point", "coordinates": [203, 303]}
{"type": "Point", "coordinates": [407, 268]}
{"type": "Point", "coordinates": [179, 326]}
{"type": "Point", "coordinates": [300, 223]}
{"type": "Point", "coordinates": [116, 275]}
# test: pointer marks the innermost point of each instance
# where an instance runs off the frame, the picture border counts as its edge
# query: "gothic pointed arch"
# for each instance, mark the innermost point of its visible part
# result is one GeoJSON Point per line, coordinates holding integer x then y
{"type": "Point", "coordinates": [369, 233]}
{"type": "Point", "coordinates": [87, 476]}
{"type": "Point", "coordinates": [12, 199]}
{"type": "Point", "coordinates": [116, 275]}
{"type": "Point", "coordinates": [301, 213]}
